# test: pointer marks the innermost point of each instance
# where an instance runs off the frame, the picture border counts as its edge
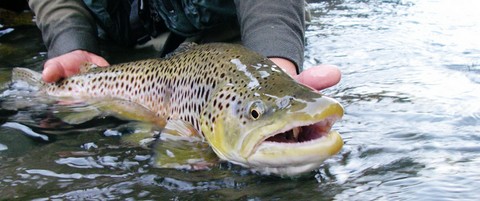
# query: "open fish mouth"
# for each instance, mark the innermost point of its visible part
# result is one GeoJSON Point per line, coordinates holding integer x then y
{"type": "Point", "coordinates": [297, 148]}
{"type": "Point", "coordinates": [303, 133]}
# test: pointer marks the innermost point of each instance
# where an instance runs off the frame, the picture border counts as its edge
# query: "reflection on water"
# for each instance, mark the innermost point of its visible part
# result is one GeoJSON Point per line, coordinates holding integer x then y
{"type": "Point", "coordinates": [410, 87]}
{"type": "Point", "coordinates": [411, 92]}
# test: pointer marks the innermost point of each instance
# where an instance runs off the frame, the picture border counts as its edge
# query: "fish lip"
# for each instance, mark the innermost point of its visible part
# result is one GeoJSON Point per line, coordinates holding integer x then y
{"type": "Point", "coordinates": [330, 112]}
{"type": "Point", "coordinates": [291, 159]}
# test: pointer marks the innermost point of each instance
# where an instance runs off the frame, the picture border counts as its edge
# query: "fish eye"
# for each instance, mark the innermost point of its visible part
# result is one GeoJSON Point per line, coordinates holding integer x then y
{"type": "Point", "coordinates": [254, 114]}
{"type": "Point", "coordinates": [256, 110]}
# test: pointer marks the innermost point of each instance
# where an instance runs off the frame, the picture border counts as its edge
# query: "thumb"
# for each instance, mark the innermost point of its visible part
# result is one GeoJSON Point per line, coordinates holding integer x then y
{"type": "Point", "coordinates": [52, 71]}
{"type": "Point", "coordinates": [320, 77]}
{"type": "Point", "coordinates": [99, 61]}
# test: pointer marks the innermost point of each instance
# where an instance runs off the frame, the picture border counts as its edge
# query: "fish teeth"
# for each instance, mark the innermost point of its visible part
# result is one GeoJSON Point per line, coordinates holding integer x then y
{"type": "Point", "coordinates": [296, 132]}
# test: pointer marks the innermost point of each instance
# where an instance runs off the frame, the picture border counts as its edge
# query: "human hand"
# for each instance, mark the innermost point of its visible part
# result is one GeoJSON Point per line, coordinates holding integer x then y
{"type": "Point", "coordinates": [316, 77]}
{"type": "Point", "coordinates": [69, 64]}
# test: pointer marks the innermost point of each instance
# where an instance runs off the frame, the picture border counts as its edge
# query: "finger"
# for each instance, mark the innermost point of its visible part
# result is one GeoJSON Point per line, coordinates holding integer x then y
{"type": "Point", "coordinates": [99, 61]}
{"type": "Point", "coordinates": [320, 77]}
{"type": "Point", "coordinates": [52, 71]}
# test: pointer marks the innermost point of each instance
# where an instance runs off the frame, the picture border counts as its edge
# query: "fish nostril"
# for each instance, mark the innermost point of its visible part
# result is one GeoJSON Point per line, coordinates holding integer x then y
{"type": "Point", "coordinates": [284, 102]}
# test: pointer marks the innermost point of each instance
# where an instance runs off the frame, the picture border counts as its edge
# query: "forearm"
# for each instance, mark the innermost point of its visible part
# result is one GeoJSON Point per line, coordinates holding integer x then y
{"type": "Point", "coordinates": [66, 25]}
{"type": "Point", "coordinates": [273, 28]}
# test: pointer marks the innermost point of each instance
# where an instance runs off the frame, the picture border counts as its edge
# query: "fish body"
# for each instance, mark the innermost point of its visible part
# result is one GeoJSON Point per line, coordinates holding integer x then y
{"type": "Point", "coordinates": [245, 107]}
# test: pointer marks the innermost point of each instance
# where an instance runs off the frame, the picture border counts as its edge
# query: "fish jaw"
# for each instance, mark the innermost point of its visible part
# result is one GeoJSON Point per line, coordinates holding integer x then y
{"type": "Point", "coordinates": [291, 159]}
{"type": "Point", "coordinates": [267, 151]}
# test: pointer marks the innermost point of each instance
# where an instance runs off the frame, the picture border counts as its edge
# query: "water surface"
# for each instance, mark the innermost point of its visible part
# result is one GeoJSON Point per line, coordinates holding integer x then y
{"type": "Point", "coordinates": [410, 87]}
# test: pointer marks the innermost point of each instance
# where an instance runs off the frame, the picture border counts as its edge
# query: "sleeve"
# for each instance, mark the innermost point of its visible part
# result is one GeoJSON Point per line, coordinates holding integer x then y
{"type": "Point", "coordinates": [274, 28]}
{"type": "Point", "coordinates": [66, 25]}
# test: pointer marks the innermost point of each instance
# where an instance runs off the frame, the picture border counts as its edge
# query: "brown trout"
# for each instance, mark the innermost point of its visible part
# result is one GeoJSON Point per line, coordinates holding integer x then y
{"type": "Point", "coordinates": [246, 108]}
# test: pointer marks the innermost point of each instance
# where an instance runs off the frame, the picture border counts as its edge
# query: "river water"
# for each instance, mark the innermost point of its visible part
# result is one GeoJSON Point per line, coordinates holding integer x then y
{"type": "Point", "coordinates": [410, 87]}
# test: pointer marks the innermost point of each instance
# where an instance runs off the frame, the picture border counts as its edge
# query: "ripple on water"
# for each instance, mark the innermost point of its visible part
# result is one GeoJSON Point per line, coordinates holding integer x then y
{"type": "Point", "coordinates": [410, 88]}
{"type": "Point", "coordinates": [368, 181]}
{"type": "Point", "coordinates": [3, 147]}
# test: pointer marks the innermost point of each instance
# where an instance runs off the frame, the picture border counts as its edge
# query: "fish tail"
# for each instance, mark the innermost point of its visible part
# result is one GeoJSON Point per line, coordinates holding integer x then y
{"type": "Point", "coordinates": [29, 76]}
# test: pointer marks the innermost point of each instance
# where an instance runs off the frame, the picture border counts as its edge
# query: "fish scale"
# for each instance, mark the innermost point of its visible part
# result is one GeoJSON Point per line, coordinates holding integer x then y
{"type": "Point", "coordinates": [247, 109]}
{"type": "Point", "coordinates": [174, 88]}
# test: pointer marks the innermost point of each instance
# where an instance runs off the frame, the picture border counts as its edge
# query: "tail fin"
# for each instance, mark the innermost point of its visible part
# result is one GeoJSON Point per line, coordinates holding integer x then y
{"type": "Point", "coordinates": [29, 76]}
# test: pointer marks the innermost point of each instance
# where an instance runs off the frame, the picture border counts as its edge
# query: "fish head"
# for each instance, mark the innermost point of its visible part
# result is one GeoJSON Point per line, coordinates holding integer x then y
{"type": "Point", "coordinates": [268, 122]}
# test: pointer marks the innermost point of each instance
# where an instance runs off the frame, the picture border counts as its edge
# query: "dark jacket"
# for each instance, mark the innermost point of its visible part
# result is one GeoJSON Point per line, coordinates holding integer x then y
{"type": "Point", "coordinates": [274, 28]}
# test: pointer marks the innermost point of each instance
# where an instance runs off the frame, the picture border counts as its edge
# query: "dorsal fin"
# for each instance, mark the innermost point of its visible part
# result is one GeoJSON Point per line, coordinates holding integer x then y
{"type": "Point", "coordinates": [185, 46]}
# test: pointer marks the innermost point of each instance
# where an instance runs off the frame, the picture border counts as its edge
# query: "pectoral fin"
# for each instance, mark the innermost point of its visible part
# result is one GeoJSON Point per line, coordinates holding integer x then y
{"type": "Point", "coordinates": [180, 130]}
{"type": "Point", "coordinates": [182, 154]}
{"type": "Point", "coordinates": [136, 134]}
{"type": "Point", "coordinates": [181, 147]}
